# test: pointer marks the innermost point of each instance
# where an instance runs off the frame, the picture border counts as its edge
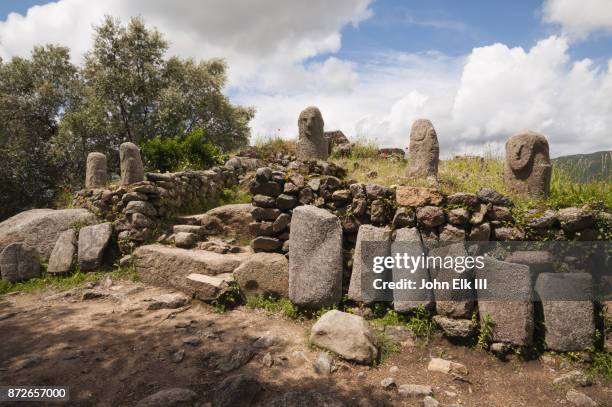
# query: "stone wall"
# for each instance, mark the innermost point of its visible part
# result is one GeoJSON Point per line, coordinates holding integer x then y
{"type": "Point", "coordinates": [140, 209]}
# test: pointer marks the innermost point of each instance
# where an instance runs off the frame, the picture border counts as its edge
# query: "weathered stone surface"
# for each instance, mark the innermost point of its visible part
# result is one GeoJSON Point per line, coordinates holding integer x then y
{"type": "Point", "coordinates": [305, 399]}
{"type": "Point", "coordinates": [424, 150]}
{"type": "Point", "coordinates": [463, 199]}
{"type": "Point", "coordinates": [446, 366]}
{"type": "Point", "coordinates": [268, 188]}
{"type": "Point", "coordinates": [418, 196]}
{"type": "Point", "coordinates": [378, 212]}
{"type": "Point", "coordinates": [540, 220]}
{"type": "Point", "coordinates": [266, 243]}
{"type": "Point", "coordinates": [575, 219]}
{"type": "Point", "coordinates": [64, 254]}
{"type": "Point", "coordinates": [237, 391]}
{"type": "Point", "coordinates": [539, 261]}
{"type": "Point", "coordinates": [40, 228]}
{"type": "Point", "coordinates": [311, 144]}
{"type": "Point", "coordinates": [508, 233]}
{"type": "Point", "coordinates": [375, 191]}
{"type": "Point", "coordinates": [132, 170]}
{"type": "Point", "coordinates": [579, 399]}
{"type": "Point", "coordinates": [265, 213]}
{"type": "Point", "coordinates": [346, 334]}
{"type": "Point", "coordinates": [234, 219]}
{"type": "Point", "coordinates": [185, 240]}
{"type": "Point", "coordinates": [527, 167]}
{"type": "Point", "coordinates": [481, 233]}
{"type": "Point", "coordinates": [264, 274]}
{"type": "Point", "coordinates": [286, 202]}
{"type": "Point", "coordinates": [143, 207]}
{"type": "Point", "coordinates": [501, 214]}
{"type": "Point", "coordinates": [19, 262]}
{"type": "Point", "coordinates": [264, 201]}
{"type": "Point", "coordinates": [362, 271]}
{"type": "Point", "coordinates": [430, 216]}
{"type": "Point", "coordinates": [455, 328]}
{"type": "Point", "coordinates": [568, 310]}
{"type": "Point", "coordinates": [452, 303]}
{"type": "Point", "coordinates": [315, 257]}
{"type": "Point", "coordinates": [169, 266]}
{"type": "Point", "coordinates": [408, 241]}
{"type": "Point", "coordinates": [489, 195]}
{"type": "Point", "coordinates": [458, 217]}
{"type": "Point", "coordinates": [509, 285]}
{"type": "Point", "coordinates": [450, 233]}
{"type": "Point", "coordinates": [93, 241]}
{"type": "Point", "coordinates": [404, 218]}
{"type": "Point", "coordinates": [175, 397]}
{"type": "Point", "coordinates": [207, 288]}
{"type": "Point", "coordinates": [479, 214]}
{"type": "Point", "coordinates": [194, 229]}
{"type": "Point", "coordinates": [168, 301]}
{"type": "Point", "coordinates": [574, 377]}
{"type": "Point", "coordinates": [95, 171]}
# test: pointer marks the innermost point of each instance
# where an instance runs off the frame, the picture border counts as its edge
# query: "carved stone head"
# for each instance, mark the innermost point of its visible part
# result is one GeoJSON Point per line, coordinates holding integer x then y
{"type": "Point", "coordinates": [528, 168]}
{"type": "Point", "coordinates": [310, 123]}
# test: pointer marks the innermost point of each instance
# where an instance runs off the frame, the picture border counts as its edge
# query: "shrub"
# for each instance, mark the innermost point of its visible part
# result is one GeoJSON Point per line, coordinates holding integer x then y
{"type": "Point", "coordinates": [194, 151]}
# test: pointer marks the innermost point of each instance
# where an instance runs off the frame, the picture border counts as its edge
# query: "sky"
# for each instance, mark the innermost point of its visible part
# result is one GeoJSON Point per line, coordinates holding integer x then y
{"type": "Point", "coordinates": [480, 70]}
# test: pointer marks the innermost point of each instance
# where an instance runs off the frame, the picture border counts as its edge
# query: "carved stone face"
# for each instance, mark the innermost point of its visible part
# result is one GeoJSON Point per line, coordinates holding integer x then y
{"type": "Point", "coordinates": [528, 168]}
{"type": "Point", "coordinates": [310, 123]}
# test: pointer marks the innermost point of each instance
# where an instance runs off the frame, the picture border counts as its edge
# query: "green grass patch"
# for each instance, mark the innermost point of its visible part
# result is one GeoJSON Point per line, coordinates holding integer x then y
{"type": "Point", "coordinates": [228, 299]}
{"type": "Point", "coordinates": [49, 281]}
{"type": "Point", "coordinates": [273, 305]}
{"type": "Point", "coordinates": [602, 364]}
{"type": "Point", "coordinates": [386, 347]}
{"type": "Point", "coordinates": [419, 321]}
{"type": "Point", "coordinates": [272, 145]}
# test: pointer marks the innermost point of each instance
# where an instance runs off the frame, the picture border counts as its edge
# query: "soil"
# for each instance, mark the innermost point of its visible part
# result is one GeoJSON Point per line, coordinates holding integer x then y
{"type": "Point", "coordinates": [112, 351]}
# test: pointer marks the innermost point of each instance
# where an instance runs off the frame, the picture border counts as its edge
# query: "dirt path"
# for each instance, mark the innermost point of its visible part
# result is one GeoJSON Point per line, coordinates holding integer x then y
{"type": "Point", "coordinates": [112, 351]}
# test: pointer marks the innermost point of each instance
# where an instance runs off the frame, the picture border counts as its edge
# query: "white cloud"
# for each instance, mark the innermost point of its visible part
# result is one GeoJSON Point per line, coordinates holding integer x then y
{"type": "Point", "coordinates": [480, 98]}
{"type": "Point", "coordinates": [578, 18]}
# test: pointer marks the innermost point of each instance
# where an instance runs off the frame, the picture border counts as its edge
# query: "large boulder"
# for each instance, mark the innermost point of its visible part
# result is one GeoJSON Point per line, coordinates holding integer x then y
{"type": "Point", "coordinates": [568, 310]}
{"type": "Point", "coordinates": [264, 274]}
{"type": "Point", "coordinates": [506, 302]}
{"type": "Point", "coordinates": [315, 258]}
{"type": "Point", "coordinates": [40, 228]}
{"type": "Point", "coordinates": [19, 262]}
{"type": "Point", "coordinates": [371, 241]}
{"type": "Point", "coordinates": [346, 334]}
{"type": "Point", "coordinates": [170, 266]}
{"type": "Point", "coordinates": [63, 256]}
{"type": "Point", "coordinates": [93, 241]}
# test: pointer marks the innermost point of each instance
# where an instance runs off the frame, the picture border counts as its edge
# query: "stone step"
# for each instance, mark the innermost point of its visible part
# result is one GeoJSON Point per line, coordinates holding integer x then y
{"type": "Point", "coordinates": [170, 267]}
{"type": "Point", "coordinates": [207, 288]}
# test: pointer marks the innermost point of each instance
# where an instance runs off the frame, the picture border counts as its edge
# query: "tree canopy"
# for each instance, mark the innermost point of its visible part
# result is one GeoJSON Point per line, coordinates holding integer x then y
{"type": "Point", "coordinates": [53, 113]}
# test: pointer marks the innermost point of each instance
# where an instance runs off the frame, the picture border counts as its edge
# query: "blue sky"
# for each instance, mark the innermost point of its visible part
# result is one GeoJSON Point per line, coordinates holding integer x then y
{"type": "Point", "coordinates": [480, 70]}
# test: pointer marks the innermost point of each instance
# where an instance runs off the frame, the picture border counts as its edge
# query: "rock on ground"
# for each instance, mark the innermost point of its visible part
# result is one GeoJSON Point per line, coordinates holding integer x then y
{"type": "Point", "coordinates": [263, 274]}
{"type": "Point", "coordinates": [93, 241]}
{"type": "Point", "coordinates": [235, 219]}
{"type": "Point", "coordinates": [580, 399]}
{"type": "Point", "coordinates": [413, 390]}
{"type": "Point", "coordinates": [305, 399]}
{"type": "Point", "coordinates": [40, 228]}
{"type": "Point", "coordinates": [237, 391]}
{"type": "Point", "coordinates": [19, 262]}
{"type": "Point", "coordinates": [315, 258]}
{"type": "Point", "coordinates": [455, 328]}
{"type": "Point", "coordinates": [446, 366]}
{"type": "Point", "coordinates": [168, 301]}
{"type": "Point", "coordinates": [346, 334]}
{"type": "Point", "coordinates": [63, 256]}
{"type": "Point", "coordinates": [175, 397]}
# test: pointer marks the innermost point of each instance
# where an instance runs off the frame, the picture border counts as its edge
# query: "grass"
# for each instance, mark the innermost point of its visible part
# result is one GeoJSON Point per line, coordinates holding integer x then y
{"type": "Point", "coordinates": [273, 305]}
{"type": "Point", "coordinates": [386, 347]}
{"type": "Point", "coordinates": [418, 322]}
{"type": "Point", "coordinates": [602, 364]}
{"type": "Point", "coordinates": [62, 283]}
{"type": "Point", "coordinates": [272, 145]}
{"type": "Point", "coordinates": [470, 174]}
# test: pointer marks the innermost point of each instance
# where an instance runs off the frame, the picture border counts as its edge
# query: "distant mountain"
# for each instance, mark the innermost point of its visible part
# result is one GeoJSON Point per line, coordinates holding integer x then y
{"type": "Point", "coordinates": [587, 167]}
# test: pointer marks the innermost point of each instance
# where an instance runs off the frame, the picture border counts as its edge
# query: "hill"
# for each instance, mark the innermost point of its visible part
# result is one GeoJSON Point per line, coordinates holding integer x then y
{"type": "Point", "coordinates": [587, 167]}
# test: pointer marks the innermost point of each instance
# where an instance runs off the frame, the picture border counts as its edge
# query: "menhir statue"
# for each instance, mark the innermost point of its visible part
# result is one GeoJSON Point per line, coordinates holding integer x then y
{"type": "Point", "coordinates": [528, 168]}
{"type": "Point", "coordinates": [311, 144]}
{"type": "Point", "coordinates": [95, 170]}
{"type": "Point", "coordinates": [132, 170]}
{"type": "Point", "coordinates": [424, 150]}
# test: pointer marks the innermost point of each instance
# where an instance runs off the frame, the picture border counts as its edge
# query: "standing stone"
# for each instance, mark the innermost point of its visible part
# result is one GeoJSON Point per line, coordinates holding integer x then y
{"type": "Point", "coordinates": [93, 240]}
{"type": "Point", "coordinates": [528, 169]}
{"type": "Point", "coordinates": [507, 301]}
{"type": "Point", "coordinates": [408, 241]}
{"type": "Point", "coordinates": [132, 170]}
{"type": "Point", "coordinates": [63, 256]}
{"type": "Point", "coordinates": [371, 241]}
{"type": "Point", "coordinates": [568, 310]}
{"type": "Point", "coordinates": [315, 258]}
{"type": "Point", "coordinates": [455, 303]}
{"type": "Point", "coordinates": [19, 262]}
{"type": "Point", "coordinates": [424, 150]}
{"type": "Point", "coordinates": [95, 173]}
{"type": "Point", "coordinates": [311, 144]}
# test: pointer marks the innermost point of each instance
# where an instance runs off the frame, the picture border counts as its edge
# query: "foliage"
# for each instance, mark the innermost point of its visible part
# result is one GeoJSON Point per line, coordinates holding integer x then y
{"type": "Point", "coordinates": [230, 298]}
{"type": "Point", "coordinates": [485, 332]}
{"type": "Point", "coordinates": [418, 321]}
{"type": "Point", "coordinates": [193, 151]}
{"type": "Point", "coordinates": [272, 146]}
{"type": "Point", "coordinates": [53, 113]}
{"type": "Point", "coordinates": [49, 281]}
{"type": "Point", "coordinates": [386, 347]}
{"type": "Point", "coordinates": [273, 305]}
{"type": "Point", "coordinates": [602, 364]}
